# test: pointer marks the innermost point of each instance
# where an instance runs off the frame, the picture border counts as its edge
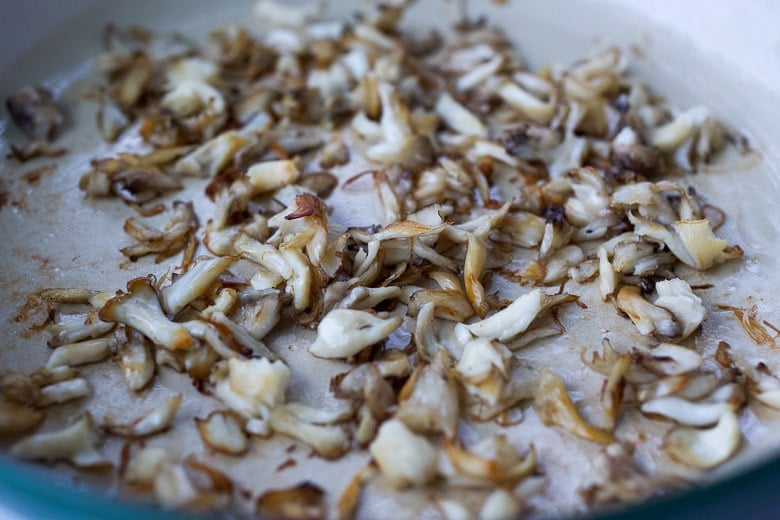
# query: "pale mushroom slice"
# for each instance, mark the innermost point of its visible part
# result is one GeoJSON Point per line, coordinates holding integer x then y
{"type": "Point", "coordinates": [251, 386]}
{"type": "Point", "coordinates": [329, 441]}
{"type": "Point", "coordinates": [677, 297]}
{"type": "Point", "coordinates": [222, 431]}
{"type": "Point", "coordinates": [192, 284]}
{"type": "Point", "coordinates": [518, 316]}
{"type": "Point", "coordinates": [555, 408]}
{"type": "Point", "coordinates": [342, 333]}
{"type": "Point", "coordinates": [648, 318]}
{"type": "Point", "coordinates": [491, 462]}
{"type": "Point", "coordinates": [156, 421]}
{"type": "Point", "coordinates": [16, 418]}
{"type": "Point", "coordinates": [705, 448]}
{"type": "Point", "coordinates": [81, 353]}
{"type": "Point", "coordinates": [140, 309]}
{"type": "Point", "coordinates": [76, 444]}
{"type": "Point", "coordinates": [404, 458]}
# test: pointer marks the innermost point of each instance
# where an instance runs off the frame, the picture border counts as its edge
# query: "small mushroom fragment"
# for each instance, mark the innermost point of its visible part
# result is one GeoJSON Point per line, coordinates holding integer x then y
{"type": "Point", "coordinates": [457, 117]}
{"type": "Point", "coordinates": [81, 353]}
{"type": "Point", "coordinates": [345, 332]}
{"type": "Point", "coordinates": [492, 462]}
{"type": "Point", "coordinates": [404, 458]}
{"type": "Point", "coordinates": [168, 241]}
{"type": "Point", "coordinates": [677, 297]}
{"type": "Point", "coordinates": [705, 448]}
{"type": "Point", "coordinates": [252, 386]}
{"type": "Point", "coordinates": [63, 391]}
{"type": "Point", "coordinates": [432, 406]}
{"type": "Point", "coordinates": [555, 408]}
{"type": "Point", "coordinates": [193, 284]}
{"type": "Point", "coordinates": [158, 420]}
{"type": "Point", "coordinates": [75, 444]}
{"type": "Point", "coordinates": [72, 328]}
{"type": "Point", "coordinates": [221, 431]}
{"type": "Point", "coordinates": [145, 465]}
{"type": "Point", "coordinates": [34, 111]}
{"type": "Point", "coordinates": [648, 318]}
{"type": "Point", "coordinates": [271, 175]}
{"type": "Point", "coordinates": [140, 309]}
{"type": "Point", "coordinates": [330, 442]}
{"type": "Point", "coordinates": [16, 418]}
{"type": "Point", "coordinates": [306, 501]}
{"type": "Point", "coordinates": [500, 504]}
{"type": "Point", "coordinates": [700, 413]}
{"type": "Point", "coordinates": [518, 316]}
{"type": "Point", "coordinates": [135, 358]}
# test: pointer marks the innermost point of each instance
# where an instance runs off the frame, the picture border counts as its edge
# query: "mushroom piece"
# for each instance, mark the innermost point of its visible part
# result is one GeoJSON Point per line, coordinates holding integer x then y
{"type": "Point", "coordinates": [156, 421]}
{"type": "Point", "coordinates": [404, 458]}
{"type": "Point", "coordinates": [342, 333]}
{"type": "Point", "coordinates": [707, 448]}
{"type": "Point", "coordinates": [457, 117]}
{"type": "Point", "coordinates": [135, 358]}
{"type": "Point", "coordinates": [140, 309]}
{"type": "Point", "coordinates": [691, 241]}
{"type": "Point", "coordinates": [648, 318]}
{"type": "Point", "coordinates": [81, 353]}
{"type": "Point", "coordinates": [72, 328]}
{"type": "Point", "coordinates": [193, 284]}
{"type": "Point", "coordinates": [221, 431]}
{"type": "Point", "coordinates": [63, 391]}
{"type": "Point", "coordinates": [34, 111]}
{"type": "Point", "coordinates": [171, 239]}
{"type": "Point", "coordinates": [500, 504]}
{"type": "Point", "coordinates": [212, 157]}
{"type": "Point", "coordinates": [555, 408]}
{"type": "Point", "coordinates": [330, 442]}
{"type": "Point", "coordinates": [432, 406]}
{"type": "Point", "coordinates": [145, 465]}
{"type": "Point", "coordinates": [302, 502]}
{"type": "Point", "coordinates": [518, 316]}
{"type": "Point", "coordinates": [670, 359]}
{"type": "Point", "coordinates": [75, 444]}
{"type": "Point", "coordinates": [252, 386]}
{"type": "Point", "coordinates": [271, 175]}
{"type": "Point", "coordinates": [492, 462]}
{"type": "Point", "coordinates": [16, 418]}
{"type": "Point", "coordinates": [701, 413]}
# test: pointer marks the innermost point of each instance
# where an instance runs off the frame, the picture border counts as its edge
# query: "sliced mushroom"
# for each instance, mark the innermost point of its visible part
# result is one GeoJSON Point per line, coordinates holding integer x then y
{"type": "Point", "coordinates": [555, 408]}
{"type": "Point", "coordinates": [345, 332]}
{"type": "Point", "coordinates": [648, 318]}
{"type": "Point", "coordinates": [140, 309]}
{"type": "Point", "coordinates": [158, 420]}
{"type": "Point", "coordinates": [705, 449]}
{"type": "Point", "coordinates": [84, 352]}
{"type": "Point", "coordinates": [404, 458]}
{"type": "Point", "coordinates": [76, 444]}
{"type": "Point", "coordinates": [222, 431]}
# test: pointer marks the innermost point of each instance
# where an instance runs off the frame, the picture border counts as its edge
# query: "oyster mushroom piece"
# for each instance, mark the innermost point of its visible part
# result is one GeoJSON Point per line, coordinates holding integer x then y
{"type": "Point", "coordinates": [158, 420]}
{"type": "Point", "coordinates": [404, 458]}
{"type": "Point", "coordinates": [555, 408]}
{"type": "Point", "coordinates": [345, 332]}
{"type": "Point", "coordinates": [500, 504]}
{"type": "Point", "coordinates": [252, 386]}
{"type": "Point", "coordinates": [328, 441]}
{"type": "Point", "coordinates": [16, 418]}
{"type": "Point", "coordinates": [518, 316]}
{"type": "Point", "coordinates": [269, 176]}
{"type": "Point", "coordinates": [458, 117]}
{"type": "Point", "coordinates": [211, 157]}
{"type": "Point", "coordinates": [140, 309]}
{"type": "Point", "coordinates": [63, 391]}
{"type": "Point", "coordinates": [34, 112]}
{"type": "Point", "coordinates": [193, 284]}
{"type": "Point", "coordinates": [432, 406]}
{"type": "Point", "coordinates": [221, 431]}
{"type": "Point", "coordinates": [705, 449]}
{"type": "Point", "coordinates": [136, 360]}
{"type": "Point", "coordinates": [81, 353]}
{"type": "Point", "coordinates": [76, 444]}
{"type": "Point", "coordinates": [677, 297]}
{"type": "Point", "coordinates": [647, 318]}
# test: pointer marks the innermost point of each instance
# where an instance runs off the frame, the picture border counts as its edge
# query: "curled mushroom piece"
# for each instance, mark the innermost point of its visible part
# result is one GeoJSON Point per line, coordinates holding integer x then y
{"type": "Point", "coordinates": [518, 316]}
{"type": "Point", "coordinates": [168, 241]}
{"type": "Point", "coordinates": [345, 332]}
{"type": "Point", "coordinates": [493, 462]}
{"type": "Point", "coordinates": [222, 432]}
{"type": "Point", "coordinates": [76, 444]}
{"type": "Point", "coordinates": [160, 419]}
{"type": "Point", "coordinates": [328, 441]}
{"type": "Point", "coordinates": [140, 309]}
{"type": "Point", "coordinates": [432, 405]}
{"type": "Point", "coordinates": [84, 352]}
{"type": "Point", "coordinates": [16, 418]}
{"type": "Point", "coordinates": [404, 458]}
{"type": "Point", "coordinates": [252, 386]}
{"type": "Point", "coordinates": [555, 407]}
{"type": "Point", "coordinates": [302, 502]}
{"type": "Point", "coordinates": [707, 448]}
{"type": "Point", "coordinates": [648, 318]}
{"type": "Point", "coordinates": [34, 111]}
